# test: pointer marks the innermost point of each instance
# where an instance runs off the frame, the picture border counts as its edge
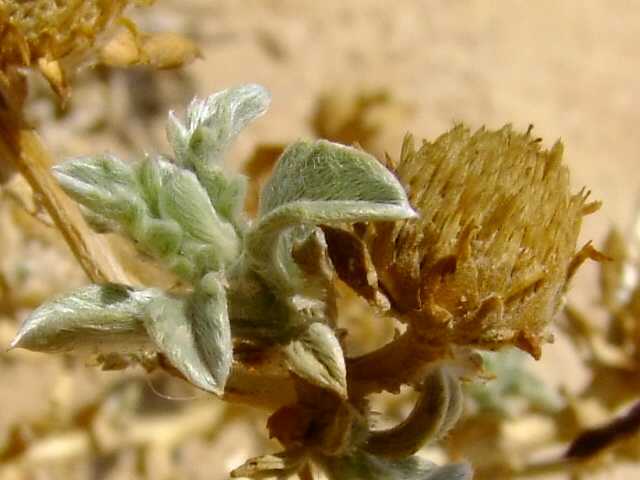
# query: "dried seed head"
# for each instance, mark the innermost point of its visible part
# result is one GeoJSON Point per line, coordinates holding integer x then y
{"type": "Point", "coordinates": [487, 262]}
{"type": "Point", "coordinates": [35, 29]}
{"type": "Point", "coordinates": [57, 36]}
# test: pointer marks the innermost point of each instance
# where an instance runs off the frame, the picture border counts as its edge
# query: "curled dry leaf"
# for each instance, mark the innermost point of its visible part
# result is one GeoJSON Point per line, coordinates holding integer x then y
{"type": "Point", "coordinates": [353, 264]}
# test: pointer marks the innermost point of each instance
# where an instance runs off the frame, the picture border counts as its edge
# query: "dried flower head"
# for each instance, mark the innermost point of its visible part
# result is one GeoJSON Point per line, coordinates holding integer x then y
{"type": "Point", "coordinates": [47, 34]}
{"type": "Point", "coordinates": [488, 260]}
{"type": "Point", "coordinates": [32, 29]}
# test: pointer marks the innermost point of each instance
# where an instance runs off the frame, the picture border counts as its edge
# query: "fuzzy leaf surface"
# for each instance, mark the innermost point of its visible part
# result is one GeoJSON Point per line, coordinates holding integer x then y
{"type": "Point", "coordinates": [104, 184]}
{"type": "Point", "coordinates": [193, 332]}
{"type": "Point", "coordinates": [327, 182]}
{"type": "Point", "coordinates": [317, 356]}
{"type": "Point", "coordinates": [200, 144]}
{"type": "Point", "coordinates": [213, 124]}
{"type": "Point", "coordinates": [320, 182]}
{"type": "Point", "coordinates": [161, 206]}
{"type": "Point", "coordinates": [92, 319]}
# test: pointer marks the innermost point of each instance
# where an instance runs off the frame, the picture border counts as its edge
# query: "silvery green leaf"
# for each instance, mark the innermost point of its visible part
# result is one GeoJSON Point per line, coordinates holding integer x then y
{"type": "Point", "coordinates": [362, 466]}
{"type": "Point", "coordinates": [206, 241]}
{"type": "Point", "coordinates": [178, 136]}
{"type": "Point", "coordinates": [226, 192]}
{"type": "Point", "coordinates": [162, 238]}
{"type": "Point", "coordinates": [91, 319]}
{"type": "Point", "coordinates": [105, 184]}
{"type": "Point", "coordinates": [212, 124]}
{"type": "Point", "coordinates": [193, 333]}
{"type": "Point", "coordinates": [323, 181]}
{"type": "Point", "coordinates": [184, 200]}
{"type": "Point", "coordinates": [316, 356]}
{"type": "Point", "coordinates": [151, 173]}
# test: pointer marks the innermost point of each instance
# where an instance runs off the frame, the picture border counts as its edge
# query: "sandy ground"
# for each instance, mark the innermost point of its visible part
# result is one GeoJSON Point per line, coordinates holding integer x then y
{"type": "Point", "coordinates": [569, 68]}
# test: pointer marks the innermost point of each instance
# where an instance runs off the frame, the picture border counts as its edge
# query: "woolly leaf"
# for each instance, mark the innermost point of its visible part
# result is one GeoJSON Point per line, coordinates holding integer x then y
{"type": "Point", "coordinates": [321, 182]}
{"type": "Point", "coordinates": [212, 126]}
{"type": "Point", "coordinates": [105, 184]}
{"type": "Point", "coordinates": [91, 319]}
{"type": "Point", "coordinates": [184, 200]}
{"type": "Point", "coordinates": [324, 181]}
{"type": "Point", "coordinates": [193, 332]}
{"type": "Point", "coordinates": [317, 356]}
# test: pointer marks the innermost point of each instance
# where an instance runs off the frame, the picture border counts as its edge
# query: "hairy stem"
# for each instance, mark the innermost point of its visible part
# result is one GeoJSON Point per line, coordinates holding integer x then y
{"type": "Point", "coordinates": [436, 409]}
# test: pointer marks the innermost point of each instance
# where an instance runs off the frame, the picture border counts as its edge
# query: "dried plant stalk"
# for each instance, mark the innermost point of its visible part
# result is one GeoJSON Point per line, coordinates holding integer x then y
{"type": "Point", "coordinates": [21, 145]}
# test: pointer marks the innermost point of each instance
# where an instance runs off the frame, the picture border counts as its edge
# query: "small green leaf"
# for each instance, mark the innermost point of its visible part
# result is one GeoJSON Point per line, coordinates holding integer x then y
{"type": "Point", "coordinates": [315, 183]}
{"type": "Point", "coordinates": [213, 124]}
{"type": "Point", "coordinates": [316, 356]}
{"type": "Point", "coordinates": [178, 136]}
{"type": "Point", "coordinates": [92, 319]}
{"type": "Point", "coordinates": [193, 333]}
{"type": "Point", "coordinates": [105, 184]}
{"type": "Point", "coordinates": [152, 172]}
{"type": "Point", "coordinates": [184, 200]}
{"type": "Point", "coordinates": [162, 238]}
{"type": "Point", "coordinates": [161, 206]}
{"type": "Point", "coordinates": [325, 181]}
{"type": "Point", "coordinates": [227, 192]}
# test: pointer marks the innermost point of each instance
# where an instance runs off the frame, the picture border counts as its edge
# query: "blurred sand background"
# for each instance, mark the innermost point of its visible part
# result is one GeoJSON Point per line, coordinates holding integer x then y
{"type": "Point", "coordinates": [571, 69]}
